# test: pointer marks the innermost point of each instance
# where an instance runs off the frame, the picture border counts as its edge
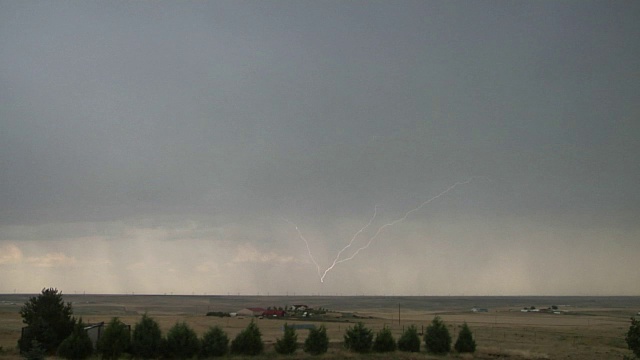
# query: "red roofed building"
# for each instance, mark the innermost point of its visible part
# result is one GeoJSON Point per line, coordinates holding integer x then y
{"type": "Point", "coordinates": [274, 313]}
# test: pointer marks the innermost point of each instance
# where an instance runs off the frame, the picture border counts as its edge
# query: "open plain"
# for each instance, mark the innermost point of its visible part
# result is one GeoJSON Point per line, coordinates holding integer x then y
{"type": "Point", "coordinates": [579, 328]}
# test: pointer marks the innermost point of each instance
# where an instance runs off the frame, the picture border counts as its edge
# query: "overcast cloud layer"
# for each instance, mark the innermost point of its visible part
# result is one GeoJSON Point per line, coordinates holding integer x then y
{"type": "Point", "coordinates": [173, 147]}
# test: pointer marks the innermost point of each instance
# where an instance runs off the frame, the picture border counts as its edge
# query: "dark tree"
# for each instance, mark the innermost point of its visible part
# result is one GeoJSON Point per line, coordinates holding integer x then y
{"type": "Point", "coordinates": [384, 341]}
{"type": "Point", "coordinates": [436, 338]}
{"type": "Point", "coordinates": [77, 345]}
{"type": "Point", "coordinates": [35, 352]}
{"type": "Point", "coordinates": [633, 337]}
{"type": "Point", "coordinates": [146, 338]}
{"type": "Point", "coordinates": [182, 342]}
{"type": "Point", "coordinates": [358, 338]}
{"type": "Point", "coordinates": [215, 342]}
{"type": "Point", "coordinates": [409, 341]}
{"type": "Point", "coordinates": [289, 342]}
{"type": "Point", "coordinates": [465, 342]}
{"type": "Point", "coordinates": [317, 342]}
{"type": "Point", "coordinates": [248, 341]}
{"type": "Point", "coordinates": [48, 320]}
{"type": "Point", "coordinates": [115, 340]}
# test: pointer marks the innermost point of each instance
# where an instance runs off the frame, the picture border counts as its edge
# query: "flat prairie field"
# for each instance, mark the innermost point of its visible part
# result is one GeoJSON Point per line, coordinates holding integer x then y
{"type": "Point", "coordinates": [558, 328]}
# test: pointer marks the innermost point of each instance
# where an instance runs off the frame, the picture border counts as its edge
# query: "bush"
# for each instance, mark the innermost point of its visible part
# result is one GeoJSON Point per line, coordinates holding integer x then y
{"type": "Point", "coordinates": [633, 337]}
{"type": "Point", "coordinates": [77, 345]}
{"type": "Point", "coordinates": [317, 342]}
{"type": "Point", "coordinates": [289, 342]}
{"type": "Point", "coordinates": [384, 341]}
{"type": "Point", "coordinates": [214, 343]}
{"type": "Point", "coordinates": [146, 338]}
{"type": "Point", "coordinates": [358, 338]}
{"type": "Point", "coordinates": [218, 314]}
{"type": "Point", "coordinates": [437, 338]}
{"type": "Point", "coordinates": [115, 340]}
{"type": "Point", "coordinates": [36, 351]}
{"type": "Point", "coordinates": [465, 342]}
{"type": "Point", "coordinates": [409, 341]}
{"type": "Point", "coordinates": [182, 342]}
{"type": "Point", "coordinates": [248, 341]}
{"type": "Point", "coordinates": [48, 320]}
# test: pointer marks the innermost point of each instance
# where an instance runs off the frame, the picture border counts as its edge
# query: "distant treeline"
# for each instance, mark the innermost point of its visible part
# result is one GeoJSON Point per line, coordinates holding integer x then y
{"type": "Point", "coordinates": [218, 314]}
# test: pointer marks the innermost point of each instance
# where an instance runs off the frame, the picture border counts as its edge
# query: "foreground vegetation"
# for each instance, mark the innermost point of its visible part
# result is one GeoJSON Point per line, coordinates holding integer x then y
{"type": "Point", "coordinates": [51, 329]}
{"type": "Point", "coordinates": [521, 343]}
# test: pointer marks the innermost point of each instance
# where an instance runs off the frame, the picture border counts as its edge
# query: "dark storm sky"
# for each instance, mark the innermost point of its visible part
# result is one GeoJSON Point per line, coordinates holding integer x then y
{"type": "Point", "coordinates": [164, 137]}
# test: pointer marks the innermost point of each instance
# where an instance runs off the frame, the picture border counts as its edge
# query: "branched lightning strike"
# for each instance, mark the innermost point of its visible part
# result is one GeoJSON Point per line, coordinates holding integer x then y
{"type": "Point", "coordinates": [404, 218]}
{"type": "Point", "coordinates": [337, 260]}
{"type": "Point", "coordinates": [306, 242]}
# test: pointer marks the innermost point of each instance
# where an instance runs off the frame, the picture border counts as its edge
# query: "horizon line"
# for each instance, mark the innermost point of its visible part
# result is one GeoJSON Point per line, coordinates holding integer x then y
{"type": "Point", "coordinates": [321, 295]}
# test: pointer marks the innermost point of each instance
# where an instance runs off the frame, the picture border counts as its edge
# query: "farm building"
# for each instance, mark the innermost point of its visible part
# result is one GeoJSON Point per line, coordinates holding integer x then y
{"type": "Point", "coordinates": [250, 312]}
{"type": "Point", "coordinates": [274, 313]}
{"type": "Point", "coordinates": [95, 331]}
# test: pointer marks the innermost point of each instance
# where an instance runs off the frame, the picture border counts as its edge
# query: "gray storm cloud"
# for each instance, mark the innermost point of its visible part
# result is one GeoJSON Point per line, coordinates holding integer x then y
{"type": "Point", "coordinates": [156, 142]}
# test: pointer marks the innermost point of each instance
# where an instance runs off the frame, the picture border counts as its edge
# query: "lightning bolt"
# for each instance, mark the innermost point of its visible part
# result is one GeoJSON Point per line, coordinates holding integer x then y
{"type": "Point", "coordinates": [306, 243]}
{"type": "Point", "coordinates": [381, 228]}
{"type": "Point", "coordinates": [337, 259]}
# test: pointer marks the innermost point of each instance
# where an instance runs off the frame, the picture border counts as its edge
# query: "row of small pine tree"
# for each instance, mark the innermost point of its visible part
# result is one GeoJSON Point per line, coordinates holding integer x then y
{"type": "Point", "coordinates": [436, 338]}
{"type": "Point", "coordinates": [146, 341]}
{"type": "Point", "coordinates": [316, 343]}
{"type": "Point", "coordinates": [181, 341]}
{"type": "Point", "coordinates": [360, 339]}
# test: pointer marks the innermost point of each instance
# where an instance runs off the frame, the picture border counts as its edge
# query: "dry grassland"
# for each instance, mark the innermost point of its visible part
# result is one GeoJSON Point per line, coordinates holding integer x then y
{"type": "Point", "coordinates": [586, 330]}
